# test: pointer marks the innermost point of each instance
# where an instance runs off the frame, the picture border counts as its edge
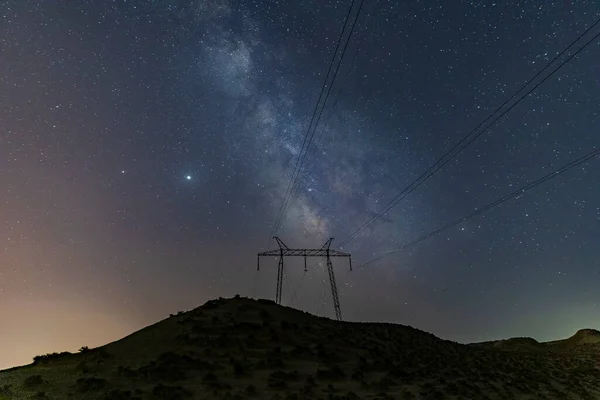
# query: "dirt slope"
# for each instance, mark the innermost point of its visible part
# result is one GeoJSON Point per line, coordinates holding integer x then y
{"type": "Point", "coordinates": [244, 349]}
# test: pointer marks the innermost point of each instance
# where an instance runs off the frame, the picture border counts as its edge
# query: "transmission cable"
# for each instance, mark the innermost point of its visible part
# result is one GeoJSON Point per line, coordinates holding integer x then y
{"type": "Point", "coordinates": [308, 137]}
{"type": "Point", "coordinates": [589, 156]}
{"type": "Point", "coordinates": [472, 135]}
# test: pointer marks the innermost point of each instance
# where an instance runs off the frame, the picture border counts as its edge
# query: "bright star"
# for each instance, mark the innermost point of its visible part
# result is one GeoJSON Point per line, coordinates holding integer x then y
{"type": "Point", "coordinates": [188, 177]}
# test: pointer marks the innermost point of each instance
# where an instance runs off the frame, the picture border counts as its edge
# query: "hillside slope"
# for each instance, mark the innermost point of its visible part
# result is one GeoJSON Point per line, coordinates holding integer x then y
{"type": "Point", "coordinates": [242, 349]}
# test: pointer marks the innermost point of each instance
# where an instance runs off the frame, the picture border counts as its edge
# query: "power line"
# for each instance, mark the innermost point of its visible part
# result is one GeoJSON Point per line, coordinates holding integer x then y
{"type": "Point", "coordinates": [337, 96]}
{"type": "Point", "coordinates": [496, 203]}
{"type": "Point", "coordinates": [472, 135]}
{"type": "Point", "coordinates": [308, 137]}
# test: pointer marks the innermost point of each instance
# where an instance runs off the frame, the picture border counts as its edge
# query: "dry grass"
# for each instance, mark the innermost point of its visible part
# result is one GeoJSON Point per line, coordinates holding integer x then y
{"type": "Point", "coordinates": [244, 349]}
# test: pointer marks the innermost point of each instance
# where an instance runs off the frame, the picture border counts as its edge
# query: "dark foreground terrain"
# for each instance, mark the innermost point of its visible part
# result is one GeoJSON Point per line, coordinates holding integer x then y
{"type": "Point", "coordinates": [246, 349]}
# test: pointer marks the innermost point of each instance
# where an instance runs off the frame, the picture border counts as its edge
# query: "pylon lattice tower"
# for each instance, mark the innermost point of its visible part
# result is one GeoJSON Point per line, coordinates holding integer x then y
{"type": "Point", "coordinates": [324, 251]}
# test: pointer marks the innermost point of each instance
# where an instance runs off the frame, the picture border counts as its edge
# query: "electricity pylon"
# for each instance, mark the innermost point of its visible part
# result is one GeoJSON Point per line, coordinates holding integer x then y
{"type": "Point", "coordinates": [324, 251]}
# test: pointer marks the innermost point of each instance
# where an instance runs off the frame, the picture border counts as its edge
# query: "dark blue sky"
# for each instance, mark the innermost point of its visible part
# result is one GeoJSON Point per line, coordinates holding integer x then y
{"type": "Point", "coordinates": [145, 148]}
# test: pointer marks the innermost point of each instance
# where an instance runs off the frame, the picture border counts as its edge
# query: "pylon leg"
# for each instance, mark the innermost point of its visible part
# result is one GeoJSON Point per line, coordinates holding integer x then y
{"type": "Point", "coordinates": [279, 280]}
{"type": "Point", "coordinates": [334, 292]}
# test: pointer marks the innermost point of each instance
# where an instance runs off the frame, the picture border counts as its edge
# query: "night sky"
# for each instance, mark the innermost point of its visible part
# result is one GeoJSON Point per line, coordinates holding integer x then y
{"type": "Point", "coordinates": [145, 148]}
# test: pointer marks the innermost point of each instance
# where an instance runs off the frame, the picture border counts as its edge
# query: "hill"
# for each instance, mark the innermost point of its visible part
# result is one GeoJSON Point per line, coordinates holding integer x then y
{"type": "Point", "coordinates": [519, 343]}
{"type": "Point", "coordinates": [581, 338]}
{"type": "Point", "coordinates": [247, 349]}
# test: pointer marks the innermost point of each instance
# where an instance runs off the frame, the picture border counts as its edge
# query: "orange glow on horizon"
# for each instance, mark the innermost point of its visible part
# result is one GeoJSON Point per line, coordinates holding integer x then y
{"type": "Point", "coordinates": [31, 328]}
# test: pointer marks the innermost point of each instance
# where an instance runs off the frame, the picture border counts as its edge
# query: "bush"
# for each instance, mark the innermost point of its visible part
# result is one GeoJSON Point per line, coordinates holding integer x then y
{"type": "Point", "coordinates": [170, 392]}
{"type": "Point", "coordinates": [169, 366]}
{"type": "Point", "coordinates": [50, 357]}
{"type": "Point", "coordinates": [279, 379]}
{"type": "Point", "coordinates": [5, 390]}
{"type": "Point", "coordinates": [126, 372]}
{"type": "Point", "coordinates": [33, 380]}
{"type": "Point", "coordinates": [333, 373]}
{"type": "Point", "coordinates": [82, 367]}
{"type": "Point", "coordinates": [209, 377]}
{"type": "Point", "coordinates": [251, 391]}
{"type": "Point", "coordinates": [264, 315]}
{"type": "Point", "coordinates": [91, 384]}
{"type": "Point", "coordinates": [383, 396]}
{"type": "Point", "coordinates": [408, 395]}
{"type": "Point", "coordinates": [238, 369]}
{"type": "Point", "coordinates": [118, 394]}
{"type": "Point", "coordinates": [352, 396]}
{"type": "Point", "coordinates": [85, 349]}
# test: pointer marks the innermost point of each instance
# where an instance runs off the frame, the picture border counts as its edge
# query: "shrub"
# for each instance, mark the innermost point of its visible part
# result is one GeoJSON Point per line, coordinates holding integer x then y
{"type": "Point", "coordinates": [310, 381]}
{"type": "Point", "coordinates": [358, 375]}
{"type": "Point", "coordinates": [91, 384]}
{"type": "Point", "coordinates": [82, 367]}
{"type": "Point", "coordinates": [279, 379]}
{"type": "Point", "coordinates": [85, 349]}
{"type": "Point", "coordinates": [333, 373]}
{"type": "Point", "coordinates": [170, 392]}
{"type": "Point", "coordinates": [118, 394]}
{"type": "Point", "coordinates": [5, 390]}
{"type": "Point", "coordinates": [238, 369]}
{"type": "Point", "coordinates": [126, 372]}
{"type": "Point", "coordinates": [264, 315]}
{"type": "Point", "coordinates": [408, 395]}
{"type": "Point", "coordinates": [251, 391]}
{"type": "Point", "coordinates": [33, 380]}
{"type": "Point", "coordinates": [50, 357]}
{"type": "Point", "coordinates": [170, 366]}
{"type": "Point", "coordinates": [352, 396]}
{"type": "Point", "coordinates": [209, 377]}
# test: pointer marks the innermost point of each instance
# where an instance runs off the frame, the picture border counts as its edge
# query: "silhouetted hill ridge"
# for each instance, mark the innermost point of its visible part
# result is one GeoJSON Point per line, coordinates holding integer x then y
{"type": "Point", "coordinates": [241, 348]}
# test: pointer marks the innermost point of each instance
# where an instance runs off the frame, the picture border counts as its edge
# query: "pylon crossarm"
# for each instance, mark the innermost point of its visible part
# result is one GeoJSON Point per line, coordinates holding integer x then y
{"type": "Point", "coordinates": [270, 253]}
{"type": "Point", "coordinates": [336, 253]}
{"type": "Point", "coordinates": [303, 253]}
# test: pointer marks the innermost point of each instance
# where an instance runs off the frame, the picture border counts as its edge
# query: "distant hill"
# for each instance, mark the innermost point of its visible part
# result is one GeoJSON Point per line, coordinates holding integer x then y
{"type": "Point", "coordinates": [519, 343]}
{"type": "Point", "coordinates": [581, 340]}
{"type": "Point", "coordinates": [582, 337]}
{"type": "Point", "coordinates": [254, 349]}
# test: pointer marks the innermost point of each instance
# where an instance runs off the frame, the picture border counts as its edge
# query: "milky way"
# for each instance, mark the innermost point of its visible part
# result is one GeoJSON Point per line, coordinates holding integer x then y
{"type": "Point", "coordinates": [146, 146]}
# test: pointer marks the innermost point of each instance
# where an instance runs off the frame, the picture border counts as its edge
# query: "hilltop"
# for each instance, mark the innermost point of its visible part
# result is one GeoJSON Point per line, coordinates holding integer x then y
{"type": "Point", "coordinates": [243, 349]}
{"type": "Point", "coordinates": [582, 337]}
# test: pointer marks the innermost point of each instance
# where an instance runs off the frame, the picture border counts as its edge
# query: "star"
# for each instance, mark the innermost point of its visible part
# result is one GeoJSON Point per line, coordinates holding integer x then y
{"type": "Point", "coordinates": [210, 124]}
